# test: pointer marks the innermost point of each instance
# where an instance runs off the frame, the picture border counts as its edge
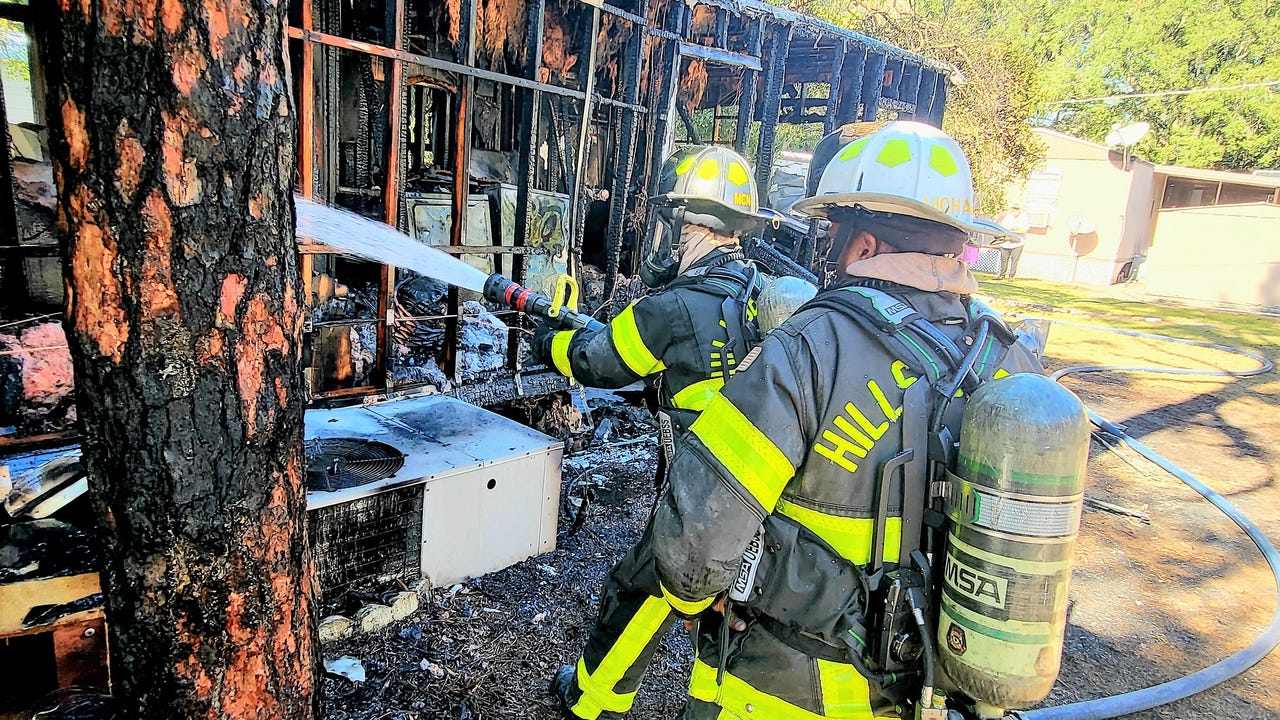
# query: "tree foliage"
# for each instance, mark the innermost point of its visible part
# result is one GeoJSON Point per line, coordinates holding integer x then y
{"type": "Point", "coordinates": [1089, 48]}
{"type": "Point", "coordinates": [1095, 48]}
{"type": "Point", "coordinates": [990, 107]}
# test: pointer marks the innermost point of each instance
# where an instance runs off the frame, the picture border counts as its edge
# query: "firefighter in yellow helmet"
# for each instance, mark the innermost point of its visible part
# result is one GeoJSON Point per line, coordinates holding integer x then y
{"type": "Point", "coordinates": [685, 339]}
{"type": "Point", "coordinates": [781, 508]}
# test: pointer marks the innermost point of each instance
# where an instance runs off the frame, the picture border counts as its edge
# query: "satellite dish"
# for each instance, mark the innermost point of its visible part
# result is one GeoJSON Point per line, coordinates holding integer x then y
{"type": "Point", "coordinates": [1127, 135]}
{"type": "Point", "coordinates": [1080, 225]}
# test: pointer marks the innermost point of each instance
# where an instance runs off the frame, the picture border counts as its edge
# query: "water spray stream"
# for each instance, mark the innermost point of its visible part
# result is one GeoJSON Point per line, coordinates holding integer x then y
{"type": "Point", "coordinates": [375, 241]}
{"type": "Point", "coordinates": [382, 243]}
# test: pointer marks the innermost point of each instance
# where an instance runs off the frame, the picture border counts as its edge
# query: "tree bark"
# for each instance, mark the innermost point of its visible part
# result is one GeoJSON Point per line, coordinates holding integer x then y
{"type": "Point", "coordinates": [173, 151]}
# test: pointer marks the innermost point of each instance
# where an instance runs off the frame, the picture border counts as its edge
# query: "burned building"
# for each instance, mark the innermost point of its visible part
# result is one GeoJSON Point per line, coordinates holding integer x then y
{"type": "Point", "coordinates": [539, 125]}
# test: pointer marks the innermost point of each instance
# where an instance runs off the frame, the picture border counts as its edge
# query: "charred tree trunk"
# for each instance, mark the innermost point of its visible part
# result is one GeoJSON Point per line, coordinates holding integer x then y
{"type": "Point", "coordinates": [174, 158]}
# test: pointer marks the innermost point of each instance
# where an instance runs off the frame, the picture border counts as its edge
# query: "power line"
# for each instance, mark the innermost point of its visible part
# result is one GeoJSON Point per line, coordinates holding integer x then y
{"type": "Point", "coordinates": [1165, 93]}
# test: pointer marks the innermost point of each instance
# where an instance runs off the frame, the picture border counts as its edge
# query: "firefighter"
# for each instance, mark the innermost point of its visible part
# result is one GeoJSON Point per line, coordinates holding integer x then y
{"type": "Point", "coordinates": [685, 339]}
{"type": "Point", "coordinates": [785, 462]}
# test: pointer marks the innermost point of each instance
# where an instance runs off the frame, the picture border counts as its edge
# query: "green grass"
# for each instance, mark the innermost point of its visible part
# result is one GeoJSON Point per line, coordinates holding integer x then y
{"type": "Point", "coordinates": [1101, 306]}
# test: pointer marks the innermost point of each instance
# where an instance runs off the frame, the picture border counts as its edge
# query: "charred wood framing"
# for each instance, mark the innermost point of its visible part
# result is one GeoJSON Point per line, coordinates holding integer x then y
{"type": "Point", "coordinates": [667, 77]}
{"type": "Point", "coordinates": [747, 101]}
{"type": "Point", "coordinates": [620, 193]}
{"type": "Point", "coordinates": [461, 175]}
{"type": "Point", "coordinates": [406, 106]}
{"type": "Point", "coordinates": [395, 115]}
{"type": "Point", "coordinates": [939, 100]}
{"type": "Point", "coordinates": [910, 85]}
{"type": "Point", "coordinates": [638, 20]}
{"type": "Point", "coordinates": [872, 85]}
{"type": "Point", "coordinates": [610, 102]}
{"type": "Point", "coordinates": [12, 273]}
{"type": "Point", "coordinates": [893, 76]}
{"type": "Point", "coordinates": [774, 81]}
{"type": "Point", "coordinates": [924, 98]}
{"type": "Point", "coordinates": [724, 57]}
{"type": "Point", "coordinates": [852, 73]}
{"type": "Point", "coordinates": [577, 217]}
{"type": "Point", "coordinates": [306, 110]}
{"type": "Point", "coordinates": [526, 164]}
{"type": "Point", "coordinates": [813, 26]}
{"type": "Point", "coordinates": [393, 167]}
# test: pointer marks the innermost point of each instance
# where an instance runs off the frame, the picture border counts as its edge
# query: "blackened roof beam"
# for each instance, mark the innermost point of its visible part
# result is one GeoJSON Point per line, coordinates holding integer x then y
{"type": "Point", "coordinates": [807, 24]}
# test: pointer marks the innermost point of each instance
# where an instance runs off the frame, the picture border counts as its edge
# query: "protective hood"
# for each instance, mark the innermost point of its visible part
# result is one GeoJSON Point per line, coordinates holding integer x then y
{"type": "Point", "coordinates": [931, 273]}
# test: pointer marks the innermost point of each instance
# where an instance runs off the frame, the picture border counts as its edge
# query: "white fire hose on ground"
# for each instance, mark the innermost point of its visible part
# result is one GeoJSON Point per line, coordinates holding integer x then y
{"type": "Point", "coordinates": [1231, 666]}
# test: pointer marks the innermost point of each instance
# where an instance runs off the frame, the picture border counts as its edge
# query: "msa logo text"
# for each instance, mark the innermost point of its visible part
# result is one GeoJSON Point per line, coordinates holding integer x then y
{"type": "Point", "coordinates": [984, 588]}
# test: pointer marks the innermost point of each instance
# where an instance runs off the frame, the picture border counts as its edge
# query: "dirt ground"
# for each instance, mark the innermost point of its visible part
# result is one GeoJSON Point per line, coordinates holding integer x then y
{"type": "Point", "coordinates": [1150, 600]}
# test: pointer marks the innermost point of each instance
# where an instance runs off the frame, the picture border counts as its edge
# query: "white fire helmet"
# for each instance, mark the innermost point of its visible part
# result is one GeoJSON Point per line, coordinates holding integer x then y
{"type": "Point", "coordinates": [907, 168]}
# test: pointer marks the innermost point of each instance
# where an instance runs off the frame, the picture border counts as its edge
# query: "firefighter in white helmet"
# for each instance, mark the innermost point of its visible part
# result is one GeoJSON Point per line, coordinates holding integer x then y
{"type": "Point", "coordinates": [772, 510]}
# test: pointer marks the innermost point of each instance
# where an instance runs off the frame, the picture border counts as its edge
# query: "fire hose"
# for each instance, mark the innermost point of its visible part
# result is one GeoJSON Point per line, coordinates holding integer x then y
{"type": "Point", "coordinates": [561, 310]}
{"type": "Point", "coordinates": [1233, 665]}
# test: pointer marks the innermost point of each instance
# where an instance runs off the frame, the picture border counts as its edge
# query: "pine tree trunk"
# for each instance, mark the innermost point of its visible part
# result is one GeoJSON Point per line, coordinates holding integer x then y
{"type": "Point", "coordinates": [173, 151]}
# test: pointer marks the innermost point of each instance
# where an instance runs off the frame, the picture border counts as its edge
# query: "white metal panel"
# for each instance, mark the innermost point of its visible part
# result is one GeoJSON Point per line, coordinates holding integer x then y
{"type": "Point", "coordinates": [488, 518]}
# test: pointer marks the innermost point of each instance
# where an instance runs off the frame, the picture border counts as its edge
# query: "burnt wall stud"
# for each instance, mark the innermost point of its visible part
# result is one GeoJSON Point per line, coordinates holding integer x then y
{"type": "Point", "coordinates": [775, 76]}
{"type": "Point", "coordinates": [925, 97]}
{"type": "Point", "coordinates": [577, 216]}
{"type": "Point", "coordinates": [872, 85]}
{"type": "Point", "coordinates": [461, 178]}
{"type": "Point", "coordinates": [530, 104]}
{"type": "Point", "coordinates": [620, 195]}
{"type": "Point", "coordinates": [851, 86]}
{"type": "Point", "coordinates": [833, 92]}
{"type": "Point", "coordinates": [747, 102]}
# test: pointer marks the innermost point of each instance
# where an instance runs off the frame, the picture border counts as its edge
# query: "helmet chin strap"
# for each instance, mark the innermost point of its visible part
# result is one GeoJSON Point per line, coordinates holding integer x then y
{"type": "Point", "coordinates": [663, 264]}
{"type": "Point", "coordinates": [830, 269]}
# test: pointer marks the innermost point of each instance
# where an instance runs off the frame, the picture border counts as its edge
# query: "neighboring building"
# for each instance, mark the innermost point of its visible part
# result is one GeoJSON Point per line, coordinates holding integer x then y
{"type": "Point", "coordinates": [1101, 217]}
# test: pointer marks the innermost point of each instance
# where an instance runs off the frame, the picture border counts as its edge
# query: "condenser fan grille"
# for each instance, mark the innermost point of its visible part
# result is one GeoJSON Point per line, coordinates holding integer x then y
{"type": "Point", "coordinates": [340, 463]}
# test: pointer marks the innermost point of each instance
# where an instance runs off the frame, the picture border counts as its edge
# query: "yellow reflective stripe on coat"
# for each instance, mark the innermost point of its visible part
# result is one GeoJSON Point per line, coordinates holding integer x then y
{"type": "Point", "coordinates": [845, 695]}
{"type": "Point", "coordinates": [684, 606]}
{"type": "Point", "coordinates": [597, 687]}
{"type": "Point", "coordinates": [696, 396]}
{"type": "Point", "coordinates": [748, 454]}
{"type": "Point", "coordinates": [560, 352]}
{"type": "Point", "coordinates": [630, 346]}
{"type": "Point", "coordinates": [851, 537]}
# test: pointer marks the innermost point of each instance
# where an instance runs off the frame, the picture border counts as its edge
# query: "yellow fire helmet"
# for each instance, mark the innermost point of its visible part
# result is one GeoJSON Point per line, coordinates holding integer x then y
{"type": "Point", "coordinates": [907, 168]}
{"type": "Point", "coordinates": [715, 187]}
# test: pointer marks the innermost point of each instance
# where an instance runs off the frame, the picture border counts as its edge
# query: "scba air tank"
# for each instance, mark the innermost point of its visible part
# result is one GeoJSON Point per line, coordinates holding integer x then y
{"type": "Point", "coordinates": [1015, 512]}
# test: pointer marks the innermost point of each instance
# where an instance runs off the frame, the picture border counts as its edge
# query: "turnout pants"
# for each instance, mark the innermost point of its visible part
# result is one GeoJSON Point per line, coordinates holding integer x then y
{"type": "Point", "coordinates": [633, 618]}
{"type": "Point", "coordinates": [766, 679]}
